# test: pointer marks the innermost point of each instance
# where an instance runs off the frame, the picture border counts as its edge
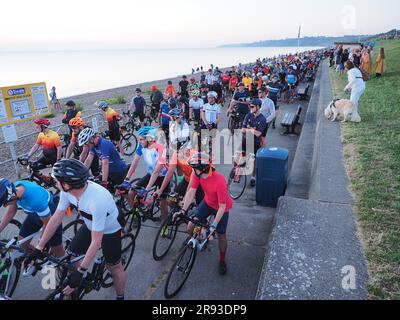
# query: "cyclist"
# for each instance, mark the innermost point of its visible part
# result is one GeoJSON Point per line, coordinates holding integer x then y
{"type": "Point", "coordinates": [274, 88]}
{"type": "Point", "coordinates": [216, 201]}
{"type": "Point", "coordinates": [267, 110]}
{"type": "Point", "coordinates": [183, 87]}
{"type": "Point", "coordinates": [78, 125]}
{"type": "Point", "coordinates": [254, 124]}
{"type": "Point", "coordinates": [112, 118]}
{"type": "Point", "coordinates": [139, 104]}
{"type": "Point", "coordinates": [195, 106]}
{"type": "Point", "coordinates": [247, 81]}
{"type": "Point", "coordinates": [101, 229]}
{"type": "Point", "coordinates": [156, 98]}
{"type": "Point", "coordinates": [240, 101]}
{"type": "Point", "coordinates": [169, 90]}
{"type": "Point", "coordinates": [164, 117]}
{"type": "Point", "coordinates": [203, 93]}
{"type": "Point", "coordinates": [70, 114]}
{"type": "Point", "coordinates": [38, 204]}
{"type": "Point", "coordinates": [233, 81]}
{"type": "Point", "coordinates": [211, 112]}
{"type": "Point", "coordinates": [155, 156]}
{"type": "Point", "coordinates": [194, 86]}
{"type": "Point", "coordinates": [113, 168]}
{"type": "Point", "coordinates": [50, 142]}
{"type": "Point", "coordinates": [178, 128]}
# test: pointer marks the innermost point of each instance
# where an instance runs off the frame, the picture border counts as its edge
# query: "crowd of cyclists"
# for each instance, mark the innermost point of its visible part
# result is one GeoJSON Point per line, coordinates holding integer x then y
{"type": "Point", "coordinates": [92, 171]}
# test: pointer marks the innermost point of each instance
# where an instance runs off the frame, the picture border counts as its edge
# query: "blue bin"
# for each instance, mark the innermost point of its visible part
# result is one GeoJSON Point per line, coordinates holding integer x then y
{"type": "Point", "coordinates": [272, 173]}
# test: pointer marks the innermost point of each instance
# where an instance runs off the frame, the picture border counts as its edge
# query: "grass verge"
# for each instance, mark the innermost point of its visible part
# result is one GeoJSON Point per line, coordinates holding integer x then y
{"type": "Point", "coordinates": [372, 153]}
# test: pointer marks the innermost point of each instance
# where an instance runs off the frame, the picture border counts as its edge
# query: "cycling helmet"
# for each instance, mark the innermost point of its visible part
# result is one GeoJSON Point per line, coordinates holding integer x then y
{"type": "Point", "coordinates": [71, 171]}
{"type": "Point", "coordinates": [6, 191]}
{"type": "Point", "coordinates": [265, 78]}
{"type": "Point", "coordinates": [195, 93]}
{"type": "Point", "coordinates": [102, 105]}
{"type": "Point", "coordinates": [85, 136]}
{"type": "Point", "coordinates": [148, 132]}
{"type": "Point", "coordinates": [240, 84]}
{"type": "Point", "coordinates": [212, 94]}
{"type": "Point", "coordinates": [172, 102]}
{"type": "Point", "coordinates": [256, 102]}
{"type": "Point", "coordinates": [76, 122]}
{"type": "Point", "coordinates": [70, 103]}
{"type": "Point", "coordinates": [176, 112]}
{"type": "Point", "coordinates": [192, 80]}
{"type": "Point", "coordinates": [42, 122]}
{"type": "Point", "coordinates": [201, 161]}
{"type": "Point", "coordinates": [153, 88]}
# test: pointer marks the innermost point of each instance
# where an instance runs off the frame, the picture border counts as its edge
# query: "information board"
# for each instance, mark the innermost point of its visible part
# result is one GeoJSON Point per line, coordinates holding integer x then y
{"type": "Point", "coordinates": [23, 102]}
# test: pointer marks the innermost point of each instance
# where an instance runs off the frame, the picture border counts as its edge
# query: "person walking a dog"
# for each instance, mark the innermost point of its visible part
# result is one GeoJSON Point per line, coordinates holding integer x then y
{"type": "Point", "coordinates": [357, 87]}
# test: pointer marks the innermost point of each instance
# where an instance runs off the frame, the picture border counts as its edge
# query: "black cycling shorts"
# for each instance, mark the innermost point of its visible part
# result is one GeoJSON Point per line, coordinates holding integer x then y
{"type": "Point", "coordinates": [114, 132]}
{"type": "Point", "coordinates": [110, 245]}
{"type": "Point", "coordinates": [143, 182]}
{"type": "Point", "coordinates": [182, 187]}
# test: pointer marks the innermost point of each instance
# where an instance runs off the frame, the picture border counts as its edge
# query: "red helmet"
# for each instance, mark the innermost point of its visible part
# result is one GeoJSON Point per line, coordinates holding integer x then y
{"type": "Point", "coordinates": [153, 88]}
{"type": "Point", "coordinates": [42, 122]}
{"type": "Point", "coordinates": [192, 80]}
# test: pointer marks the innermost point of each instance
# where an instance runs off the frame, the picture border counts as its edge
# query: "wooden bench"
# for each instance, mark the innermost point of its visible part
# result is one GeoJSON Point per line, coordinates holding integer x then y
{"type": "Point", "coordinates": [291, 120]}
{"type": "Point", "coordinates": [303, 92]}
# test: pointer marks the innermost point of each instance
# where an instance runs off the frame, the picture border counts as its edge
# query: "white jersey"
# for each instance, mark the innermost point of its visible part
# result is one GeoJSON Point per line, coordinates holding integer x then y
{"type": "Point", "coordinates": [211, 112]}
{"type": "Point", "coordinates": [196, 104]}
{"type": "Point", "coordinates": [96, 206]}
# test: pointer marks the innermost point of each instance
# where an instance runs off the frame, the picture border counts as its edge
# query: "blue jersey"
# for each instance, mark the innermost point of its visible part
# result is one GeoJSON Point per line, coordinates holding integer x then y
{"type": "Point", "coordinates": [107, 151]}
{"type": "Point", "coordinates": [35, 199]}
{"type": "Point", "coordinates": [140, 104]}
{"type": "Point", "coordinates": [165, 118]}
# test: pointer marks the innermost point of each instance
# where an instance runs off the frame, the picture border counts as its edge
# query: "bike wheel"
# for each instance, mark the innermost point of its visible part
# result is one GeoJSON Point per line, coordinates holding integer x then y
{"type": "Point", "coordinates": [11, 230]}
{"type": "Point", "coordinates": [70, 230]}
{"type": "Point", "coordinates": [129, 143]}
{"type": "Point", "coordinates": [133, 223]}
{"type": "Point", "coordinates": [147, 121]}
{"type": "Point", "coordinates": [127, 250]}
{"type": "Point", "coordinates": [59, 295]}
{"type": "Point", "coordinates": [164, 241]}
{"type": "Point", "coordinates": [237, 182]}
{"type": "Point", "coordinates": [180, 271]}
{"type": "Point", "coordinates": [9, 276]}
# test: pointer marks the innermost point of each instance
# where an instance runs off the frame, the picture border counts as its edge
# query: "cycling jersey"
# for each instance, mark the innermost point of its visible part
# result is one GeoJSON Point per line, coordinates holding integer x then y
{"type": "Point", "coordinates": [196, 104]}
{"type": "Point", "coordinates": [242, 97]}
{"type": "Point", "coordinates": [211, 112]}
{"type": "Point", "coordinates": [139, 104]}
{"type": "Point", "coordinates": [215, 189]}
{"type": "Point", "coordinates": [152, 156]}
{"type": "Point", "coordinates": [165, 118]}
{"type": "Point", "coordinates": [233, 82]}
{"type": "Point", "coordinates": [247, 81]}
{"type": "Point", "coordinates": [35, 199]}
{"type": "Point", "coordinates": [170, 91]}
{"type": "Point", "coordinates": [49, 142]}
{"type": "Point", "coordinates": [111, 114]}
{"type": "Point", "coordinates": [105, 149]}
{"type": "Point", "coordinates": [96, 206]}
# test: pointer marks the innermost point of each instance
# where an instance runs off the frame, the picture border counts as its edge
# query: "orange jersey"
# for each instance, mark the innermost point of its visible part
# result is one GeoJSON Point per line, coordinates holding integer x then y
{"type": "Point", "coordinates": [170, 90]}
{"type": "Point", "coordinates": [111, 114]}
{"type": "Point", "coordinates": [49, 141]}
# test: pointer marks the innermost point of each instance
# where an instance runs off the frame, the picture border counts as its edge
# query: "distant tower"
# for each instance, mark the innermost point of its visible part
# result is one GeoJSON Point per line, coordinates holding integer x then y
{"type": "Point", "coordinates": [298, 37]}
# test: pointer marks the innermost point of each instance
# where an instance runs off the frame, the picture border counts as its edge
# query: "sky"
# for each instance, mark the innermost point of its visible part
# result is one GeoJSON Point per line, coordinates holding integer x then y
{"type": "Point", "coordinates": [149, 24]}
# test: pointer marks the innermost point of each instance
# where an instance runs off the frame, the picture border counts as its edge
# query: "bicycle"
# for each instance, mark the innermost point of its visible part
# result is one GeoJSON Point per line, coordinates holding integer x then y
{"type": "Point", "coordinates": [235, 121]}
{"type": "Point", "coordinates": [151, 114]}
{"type": "Point", "coordinates": [143, 208]}
{"type": "Point", "coordinates": [163, 242]}
{"type": "Point", "coordinates": [237, 179]}
{"type": "Point", "coordinates": [66, 139]}
{"type": "Point", "coordinates": [10, 263]}
{"type": "Point", "coordinates": [45, 181]}
{"type": "Point", "coordinates": [128, 140]}
{"type": "Point", "coordinates": [99, 277]}
{"type": "Point", "coordinates": [185, 261]}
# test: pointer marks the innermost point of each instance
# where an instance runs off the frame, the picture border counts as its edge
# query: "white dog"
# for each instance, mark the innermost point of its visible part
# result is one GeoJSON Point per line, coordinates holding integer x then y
{"type": "Point", "coordinates": [341, 109]}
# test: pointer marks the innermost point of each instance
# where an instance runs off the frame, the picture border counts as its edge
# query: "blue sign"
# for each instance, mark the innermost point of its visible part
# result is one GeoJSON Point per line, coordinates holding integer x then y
{"type": "Point", "coordinates": [15, 92]}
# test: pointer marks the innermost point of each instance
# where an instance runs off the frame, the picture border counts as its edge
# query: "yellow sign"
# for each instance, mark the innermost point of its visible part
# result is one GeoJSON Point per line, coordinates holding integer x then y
{"type": "Point", "coordinates": [23, 102]}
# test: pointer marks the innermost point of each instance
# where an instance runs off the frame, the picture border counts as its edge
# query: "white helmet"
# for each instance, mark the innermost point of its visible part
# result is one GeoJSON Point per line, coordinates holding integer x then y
{"type": "Point", "coordinates": [212, 94]}
{"type": "Point", "coordinates": [265, 78]}
{"type": "Point", "coordinates": [85, 136]}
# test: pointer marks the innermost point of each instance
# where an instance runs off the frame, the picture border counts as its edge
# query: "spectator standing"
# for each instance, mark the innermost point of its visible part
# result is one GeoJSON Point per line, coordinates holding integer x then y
{"type": "Point", "coordinates": [357, 87]}
{"type": "Point", "coordinates": [183, 87]}
{"type": "Point", "coordinates": [156, 97]}
{"type": "Point", "coordinates": [54, 101]}
{"type": "Point", "coordinates": [380, 63]}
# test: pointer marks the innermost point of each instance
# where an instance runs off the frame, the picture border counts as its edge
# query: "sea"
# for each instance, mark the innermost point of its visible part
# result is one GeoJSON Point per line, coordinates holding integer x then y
{"type": "Point", "coordinates": [79, 72]}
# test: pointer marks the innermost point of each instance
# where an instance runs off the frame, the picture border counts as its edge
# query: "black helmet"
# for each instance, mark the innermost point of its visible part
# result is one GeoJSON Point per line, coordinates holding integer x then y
{"type": "Point", "coordinates": [201, 161]}
{"type": "Point", "coordinates": [70, 103]}
{"type": "Point", "coordinates": [71, 171]}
